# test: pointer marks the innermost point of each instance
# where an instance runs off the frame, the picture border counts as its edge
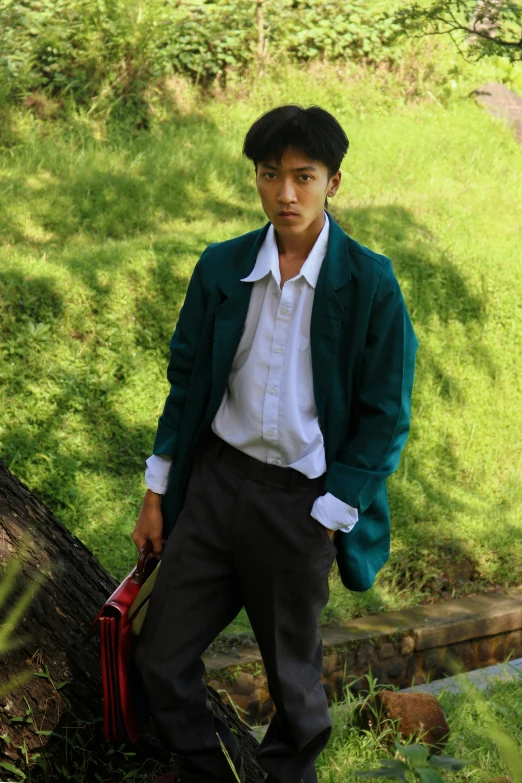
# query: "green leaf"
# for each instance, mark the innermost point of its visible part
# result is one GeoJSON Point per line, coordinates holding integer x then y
{"type": "Point", "coordinates": [11, 768]}
{"type": "Point", "coordinates": [428, 775]}
{"type": "Point", "coordinates": [447, 762]}
{"type": "Point", "coordinates": [417, 754]}
{"type": "Point", "coordinates": [382, 773]}
{"type": "Point", "coordinates": [391, 768]}
{"type": "Point", "coordinates": [393, 764]}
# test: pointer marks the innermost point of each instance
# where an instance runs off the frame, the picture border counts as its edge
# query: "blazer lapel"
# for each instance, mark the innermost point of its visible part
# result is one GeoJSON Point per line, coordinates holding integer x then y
{"type": "Point", "coordinates": [228, 325]}
{"type": "Point", "coordinates": [325, 324]}
{"type": "Point", "coordinates": [327, 312]}
{"type": "Point", "coordinates": [230, 317]}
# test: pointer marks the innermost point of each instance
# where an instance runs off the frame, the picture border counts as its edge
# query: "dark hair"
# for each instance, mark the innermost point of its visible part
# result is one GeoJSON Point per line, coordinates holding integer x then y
{"type": "Point", "coordinates": [313, 131]}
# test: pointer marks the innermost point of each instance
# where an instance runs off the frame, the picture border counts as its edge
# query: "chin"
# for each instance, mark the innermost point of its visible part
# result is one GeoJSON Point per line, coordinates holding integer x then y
{"type": "Point", "coordinates": [289, 230]}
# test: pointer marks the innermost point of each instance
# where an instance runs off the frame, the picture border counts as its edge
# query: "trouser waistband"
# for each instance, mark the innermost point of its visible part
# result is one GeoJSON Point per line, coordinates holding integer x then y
{"type": "Point", "coordinates": [262, 471]}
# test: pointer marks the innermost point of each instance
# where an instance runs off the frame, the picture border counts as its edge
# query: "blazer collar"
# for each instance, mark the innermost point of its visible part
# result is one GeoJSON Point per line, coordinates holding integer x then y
{"type": "Point", "coordinates": [243, 263]}
{"type": "Point", "coordinates": [335, 269]}
{"type": "Point", "coordinates": [268, 258]}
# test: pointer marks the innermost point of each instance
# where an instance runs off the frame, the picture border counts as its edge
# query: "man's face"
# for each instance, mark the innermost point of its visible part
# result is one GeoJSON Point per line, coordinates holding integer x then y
{"type": "Point", "coordinates": [293, 193]}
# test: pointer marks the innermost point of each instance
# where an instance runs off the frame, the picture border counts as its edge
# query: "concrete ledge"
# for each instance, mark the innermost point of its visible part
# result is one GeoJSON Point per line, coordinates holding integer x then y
{"type": "Point", "coordinates": [402, 648]}
{"type": "Point", "coordinates": [469, 618]}
{"type": "Point", "coordinates": [430, 625]}
{"type": "Point", "coordinates": [480, 678]}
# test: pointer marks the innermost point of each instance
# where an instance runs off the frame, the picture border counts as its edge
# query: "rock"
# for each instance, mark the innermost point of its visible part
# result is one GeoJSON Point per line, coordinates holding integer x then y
{"type": "Point", "coordinates": [395, 669]}
{"type": "Point", "coordinates": [378, 673]}
{"type": "Point", "coordinates": [498, 645]}
{"type": "Point", "coordinates": [411, 668]}
{"type": "Point", "coordinates": [267, 708]}
{"type": "Point", "coordinates": [485, 651]}
{"type": "Point", "coordinates": [419, 714]}
{"type": "Point", "coordinates": [365, 654]}
{"type": "Point", "coordinates": [431, 660]}
{"type": "Point", "coordinates": [514, 642]}
{"type": "Point", "coordinates": [348, 660]}
{"type": "Point", "coordinates": [329, 664]}
{"type": "Point", "coordinates": [407, 645]}
{"type": "Point", "coordinates": [252, 711]}
{"type": "Point", "coordinates": [386, 651]}
{"type": "Point", "coordinates": [502, 102]}
{"type": "Point", "coordinates": [461, 655]}
{"type": "Point", "coordinates": [239, 704]}
{"type": "Point", "coordinates": [340, 684]}
{"type": "Point", "coordinates": [244, 683]}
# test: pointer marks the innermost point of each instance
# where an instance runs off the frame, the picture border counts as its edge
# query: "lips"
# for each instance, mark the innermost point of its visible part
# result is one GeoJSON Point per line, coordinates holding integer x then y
{"type": "Point", "coordinates": [287, 214]}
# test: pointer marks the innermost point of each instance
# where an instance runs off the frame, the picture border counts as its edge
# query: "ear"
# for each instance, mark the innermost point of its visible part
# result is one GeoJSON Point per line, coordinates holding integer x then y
{"type": "Point", "coordinates": [333, 184]}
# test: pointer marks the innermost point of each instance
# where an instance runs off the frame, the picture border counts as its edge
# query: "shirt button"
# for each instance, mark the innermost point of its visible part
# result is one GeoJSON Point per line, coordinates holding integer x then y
{"type": "Point", "coordinates": [270, 432]}
{"type": "Point", "coordinates": [278, 349]}
{"type": "Point", "coordinates": [272, 390]}
{"type": "Point", "coordinates": [275, 462]}
{"type": "Point", "coordinates": [284, 310]}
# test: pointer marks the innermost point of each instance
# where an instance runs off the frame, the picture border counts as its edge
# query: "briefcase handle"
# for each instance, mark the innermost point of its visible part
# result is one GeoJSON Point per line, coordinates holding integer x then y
{"type": "Point", "coordinates": [140, 571]}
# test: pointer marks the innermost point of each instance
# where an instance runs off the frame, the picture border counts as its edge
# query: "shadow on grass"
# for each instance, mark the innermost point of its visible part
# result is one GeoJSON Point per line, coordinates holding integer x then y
{"type": "Point", "coordinates": [438, 297]}
{"type": "Point", "coordinates": [109, 208]}
{"type": "Point", "coordinates": [106, 195]}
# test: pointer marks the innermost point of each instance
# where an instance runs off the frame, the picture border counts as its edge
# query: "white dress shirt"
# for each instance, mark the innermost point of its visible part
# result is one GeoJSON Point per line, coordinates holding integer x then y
{"type": "Point", "coordinates": [268, 409]}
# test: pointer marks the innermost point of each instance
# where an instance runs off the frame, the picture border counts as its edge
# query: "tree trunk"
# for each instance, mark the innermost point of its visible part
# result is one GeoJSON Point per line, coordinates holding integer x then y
{"type": "Point", "coordinates": [62, 696]}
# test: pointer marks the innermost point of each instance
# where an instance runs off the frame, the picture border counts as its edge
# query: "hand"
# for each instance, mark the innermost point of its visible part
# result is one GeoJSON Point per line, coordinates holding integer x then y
{"type": "Point", "coordinates": [150, 524]}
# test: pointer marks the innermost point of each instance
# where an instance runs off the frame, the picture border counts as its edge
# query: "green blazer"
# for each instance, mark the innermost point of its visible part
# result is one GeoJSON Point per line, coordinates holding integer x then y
{"type": "Point", "coordinates": [363, 359]}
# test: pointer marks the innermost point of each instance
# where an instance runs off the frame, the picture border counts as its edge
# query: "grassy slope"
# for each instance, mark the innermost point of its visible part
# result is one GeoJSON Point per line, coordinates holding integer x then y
{"type": "Point", "coordinates": [101, 232]}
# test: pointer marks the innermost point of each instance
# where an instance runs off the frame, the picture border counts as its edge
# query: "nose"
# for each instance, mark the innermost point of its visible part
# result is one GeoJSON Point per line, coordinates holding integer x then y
{"type": "Point", "coordinates": [286, 195]}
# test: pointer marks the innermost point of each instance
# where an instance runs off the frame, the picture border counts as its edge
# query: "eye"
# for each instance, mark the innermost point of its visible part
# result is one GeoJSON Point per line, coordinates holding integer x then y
{"type": "Point", "coordinates": [307, 177]}
{"type": "Point", "coordinates": [268, 174]}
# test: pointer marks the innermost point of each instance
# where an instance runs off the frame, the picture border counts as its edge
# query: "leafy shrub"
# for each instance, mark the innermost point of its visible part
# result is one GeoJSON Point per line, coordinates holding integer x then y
{"type": "Point", "coordinates": [418, 763]}
{"type": "Point", "coordinates": [333, 30]}
{"type": "Point", "coordinates": [106, 53]}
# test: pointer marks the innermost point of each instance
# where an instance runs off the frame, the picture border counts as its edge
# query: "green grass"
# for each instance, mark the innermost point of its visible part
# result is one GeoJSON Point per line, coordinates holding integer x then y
{"type": "Point", "coordinates": [101, 226]}
{"type": "Point", "coordinates": [351, 748]}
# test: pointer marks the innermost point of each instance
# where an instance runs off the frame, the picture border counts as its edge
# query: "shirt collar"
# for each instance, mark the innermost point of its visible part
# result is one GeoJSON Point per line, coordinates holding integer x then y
{"type": "Point", "coordinates": [268, 258]}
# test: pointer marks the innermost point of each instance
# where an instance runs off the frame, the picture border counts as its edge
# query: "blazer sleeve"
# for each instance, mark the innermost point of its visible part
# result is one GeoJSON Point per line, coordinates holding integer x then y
{"type": "Point", "coordinates": [183, 349]}
{"type": "Point", "coordinates": [363, 463]}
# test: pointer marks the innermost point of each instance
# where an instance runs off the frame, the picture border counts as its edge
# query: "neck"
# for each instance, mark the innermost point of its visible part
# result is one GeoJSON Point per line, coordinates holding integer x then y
{"type": "Point", "coordinates": [299, 247]}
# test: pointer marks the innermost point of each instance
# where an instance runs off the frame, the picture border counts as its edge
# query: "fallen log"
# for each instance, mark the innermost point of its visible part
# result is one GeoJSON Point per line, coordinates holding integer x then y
{"type": "Point", "coordinates": [52, 721]}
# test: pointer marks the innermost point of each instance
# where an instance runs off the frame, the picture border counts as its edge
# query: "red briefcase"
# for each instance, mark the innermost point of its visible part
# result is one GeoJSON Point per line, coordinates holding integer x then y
{"type": "Point", "coordinates": [125, 708]}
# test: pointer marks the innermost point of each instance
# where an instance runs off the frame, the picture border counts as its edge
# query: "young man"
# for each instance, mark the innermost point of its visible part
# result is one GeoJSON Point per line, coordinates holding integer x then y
{"type": "Point", "coordinates": [291, 373]}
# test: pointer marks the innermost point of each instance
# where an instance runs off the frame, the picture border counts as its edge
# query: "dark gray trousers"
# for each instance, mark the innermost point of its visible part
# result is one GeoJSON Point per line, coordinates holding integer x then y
{"type": "Point", "coordinates": [244, 537]}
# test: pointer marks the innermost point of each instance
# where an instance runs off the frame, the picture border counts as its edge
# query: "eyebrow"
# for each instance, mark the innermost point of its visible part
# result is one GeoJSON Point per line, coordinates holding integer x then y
{"type": "Point", "coordinates": [301, 168]}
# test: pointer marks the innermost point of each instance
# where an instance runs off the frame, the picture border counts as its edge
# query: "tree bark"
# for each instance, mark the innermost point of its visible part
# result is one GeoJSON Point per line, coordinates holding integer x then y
{"type": "Point", "coordinates": [53, 650]}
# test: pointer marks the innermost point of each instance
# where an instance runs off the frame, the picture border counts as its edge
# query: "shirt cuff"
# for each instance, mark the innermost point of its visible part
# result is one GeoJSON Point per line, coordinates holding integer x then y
{"type": "Point", "coordinates": [157, 473]}
{"type": "Point", "coordinates": [334, 513]}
